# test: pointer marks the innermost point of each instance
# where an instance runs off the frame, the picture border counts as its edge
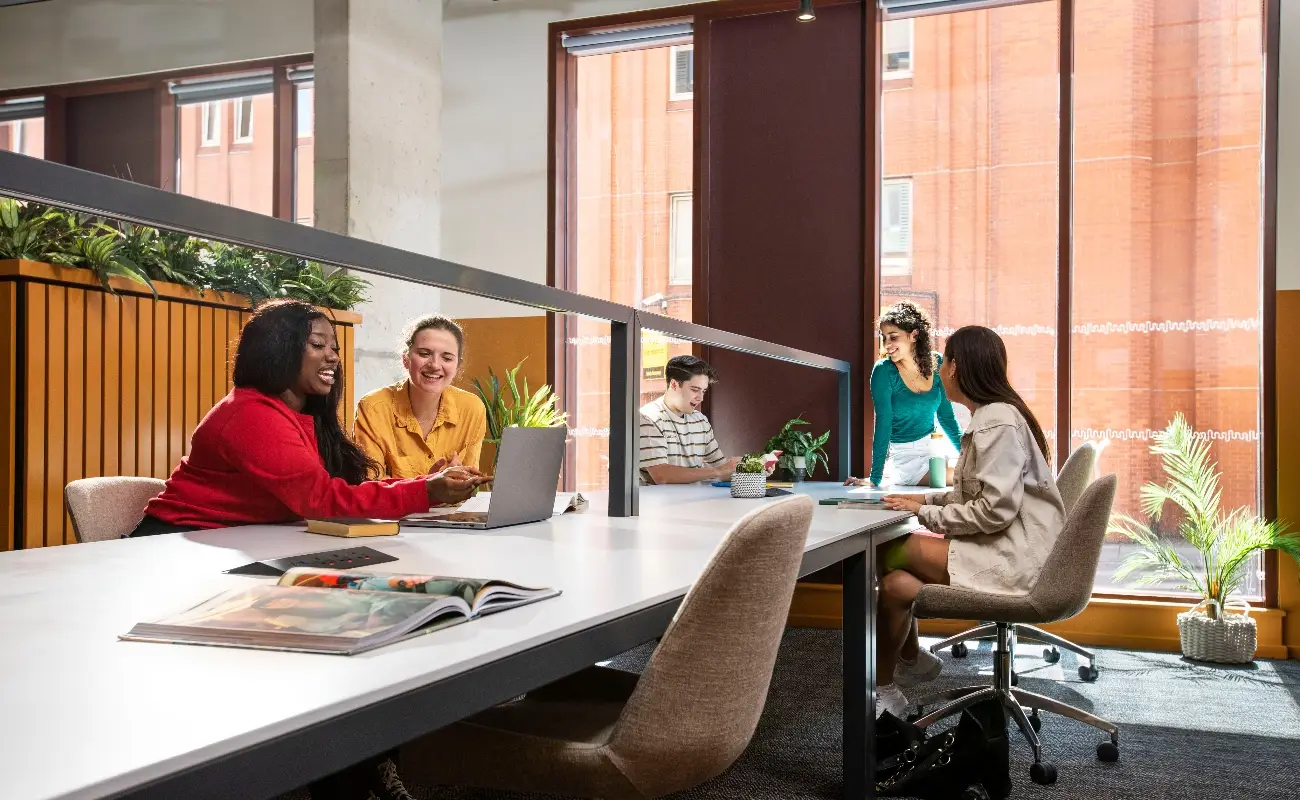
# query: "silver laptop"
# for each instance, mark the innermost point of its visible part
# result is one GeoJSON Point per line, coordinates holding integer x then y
{"type": "Point", "coordinates": [523, 489]}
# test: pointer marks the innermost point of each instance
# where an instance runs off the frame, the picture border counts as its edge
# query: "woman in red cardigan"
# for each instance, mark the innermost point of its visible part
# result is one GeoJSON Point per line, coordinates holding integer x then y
{"type": "Point", "coordinates": [273, 449]}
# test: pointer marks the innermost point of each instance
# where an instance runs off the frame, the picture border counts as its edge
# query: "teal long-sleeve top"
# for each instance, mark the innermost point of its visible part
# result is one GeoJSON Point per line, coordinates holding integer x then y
{"type": "Point", "coordinates": [903, 415]}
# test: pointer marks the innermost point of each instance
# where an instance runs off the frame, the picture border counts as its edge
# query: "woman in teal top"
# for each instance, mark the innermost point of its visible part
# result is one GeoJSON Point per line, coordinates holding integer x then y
{"type": "Point", "coordinates": [907, 394]}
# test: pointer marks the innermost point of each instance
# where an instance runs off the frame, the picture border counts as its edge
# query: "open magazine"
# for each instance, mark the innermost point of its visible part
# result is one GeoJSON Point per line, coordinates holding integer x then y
{"type": "Point", "coordinates": [328, 611]}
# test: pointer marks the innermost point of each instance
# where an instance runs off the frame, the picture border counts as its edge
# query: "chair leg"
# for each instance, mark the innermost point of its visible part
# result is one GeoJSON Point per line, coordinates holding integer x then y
{"type": "Point", "coordinates": [1041, 703]}
{"type": "Point", "coordinates": [1017, 713]}
{"type": "Point", "coordinates": [1040, 635]}
{"type": "Point", "coordinates": [982, 632]}
{"type": "Point", "coordinates": [948, 695]}
{"type": "Point", "coordinates": [956, 706]}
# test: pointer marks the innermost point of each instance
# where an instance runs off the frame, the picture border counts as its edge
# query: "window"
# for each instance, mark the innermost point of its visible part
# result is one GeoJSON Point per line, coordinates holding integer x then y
{"type": "Point", "coordinates": [632, 231]}
{"type": "Point", "coordinates": [898, 48]}
{"type": "Point", "coordinates": [682, 77]}
{"type": "Point", "coordinates": [210, 124]}
{"type": "Point", "coordinates": [239, 172]}
{"type": "Point", "coordinates": [973, 152]}
{"type": "Point", "coordinates": [679, 238]}
{"type": "Point", "coordinates": [25, 136]}
{"type": "Point", "coordinates": [896, 227]}
{"type": "Point", "coordinates": [304, 154]}
{"type": "Point", "coordinates": [1166, 312]}
{"type": "Point", "coordinates": [243, 119]}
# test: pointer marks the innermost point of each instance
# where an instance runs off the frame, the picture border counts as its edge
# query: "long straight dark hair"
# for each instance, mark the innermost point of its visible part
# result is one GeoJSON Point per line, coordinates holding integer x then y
{"type": "Point", "coordinates": [980, 358]}
{"type": "Point", "coordinates": [269, 359]}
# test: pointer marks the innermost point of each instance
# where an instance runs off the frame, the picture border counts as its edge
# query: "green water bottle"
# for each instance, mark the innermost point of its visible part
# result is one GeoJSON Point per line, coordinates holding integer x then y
{"type": "Point", "coordinates": [938, 462]}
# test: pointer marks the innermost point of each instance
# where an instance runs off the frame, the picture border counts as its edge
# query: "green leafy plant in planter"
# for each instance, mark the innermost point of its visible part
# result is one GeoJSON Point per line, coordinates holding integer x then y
{"type": "Point", "coordinates": [1224, 540]}
{"type": "Point", "coordinates": [801, 452]}
{"type": "Point", "coordinates": [508, 406]}
{"type": "Point", "coordinates": [110, 249]}
{"type": "Point", "coordinates": [749, 480]}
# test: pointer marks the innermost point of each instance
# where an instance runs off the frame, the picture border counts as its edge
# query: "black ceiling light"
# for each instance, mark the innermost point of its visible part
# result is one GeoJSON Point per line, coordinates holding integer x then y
{"type": "Point", "coordinates": [806, 13]}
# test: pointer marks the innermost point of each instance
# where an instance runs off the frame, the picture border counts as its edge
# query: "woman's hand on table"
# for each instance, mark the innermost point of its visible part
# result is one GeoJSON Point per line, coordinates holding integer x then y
{"type": "Point", "coordinates": [910, 503]}
{"type": "Point", "coordinates": [861, 482]}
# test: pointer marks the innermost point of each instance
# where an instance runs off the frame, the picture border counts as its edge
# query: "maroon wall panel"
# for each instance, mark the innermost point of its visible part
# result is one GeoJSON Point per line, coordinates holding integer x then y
{"type": "Point", "coordinates": [786, 217]}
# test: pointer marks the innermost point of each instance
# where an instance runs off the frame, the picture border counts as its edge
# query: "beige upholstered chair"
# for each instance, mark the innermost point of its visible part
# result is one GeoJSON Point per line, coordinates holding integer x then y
{"type": "Point", "coordinates": [604, 733]}
{"type": "Point", "coordinates": [1075, 476]}
{"type": "Point", "coordinates": [108, 508]}
{"type": "Point", "coordinates": [1062, 590]}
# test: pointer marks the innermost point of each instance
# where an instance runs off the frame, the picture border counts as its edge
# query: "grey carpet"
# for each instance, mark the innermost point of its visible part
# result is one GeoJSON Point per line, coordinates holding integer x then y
{"type": "Point", "coordinates": [1186, 730]}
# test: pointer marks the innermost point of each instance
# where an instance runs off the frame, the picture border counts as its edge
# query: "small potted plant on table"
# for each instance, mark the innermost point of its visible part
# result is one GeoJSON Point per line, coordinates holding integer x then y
{"type": "Point", "coordinates": [801, 452]}
{"type": "Point", "coordinates": [750, 478]}
{"type": "Point", "coordinates": [1224, 541]}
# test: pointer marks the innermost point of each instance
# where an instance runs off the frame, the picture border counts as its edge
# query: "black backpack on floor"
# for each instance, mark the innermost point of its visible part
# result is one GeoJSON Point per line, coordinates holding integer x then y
{"type": "Point", "coordinates": [968, 761]}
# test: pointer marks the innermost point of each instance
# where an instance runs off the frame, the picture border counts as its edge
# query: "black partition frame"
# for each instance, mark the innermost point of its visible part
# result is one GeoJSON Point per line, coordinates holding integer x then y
{"type": "Point", "coordinates": [41, 181]}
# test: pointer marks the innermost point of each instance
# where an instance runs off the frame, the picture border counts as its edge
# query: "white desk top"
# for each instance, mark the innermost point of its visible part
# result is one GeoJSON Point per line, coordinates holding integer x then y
{"type": "Point", "coordinates": [89, 715]}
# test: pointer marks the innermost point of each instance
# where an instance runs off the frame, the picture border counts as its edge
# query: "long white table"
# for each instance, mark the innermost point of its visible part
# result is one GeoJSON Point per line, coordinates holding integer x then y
{"type": "Point", "coordinates": [89, 716]}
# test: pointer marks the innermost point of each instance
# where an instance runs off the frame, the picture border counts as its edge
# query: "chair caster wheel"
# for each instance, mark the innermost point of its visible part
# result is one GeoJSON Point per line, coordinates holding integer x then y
{"type": "Point", "coordinates": [975, 792]}
{"type": "Point", "coordinates": [1036, 722]}
{"type": "Point", "coordinates": [959, 650]}
{"type": "Point", "coordinates": [1108, 752]}
{"type": "Point", "coordinates": [1043, 774]}
{"type": "Point", "coordinates": [1051, 655]}
{"type": "Point", "coordinates": [1015, 679]}
{"type": "Point", "coordinates": [1087, 673]}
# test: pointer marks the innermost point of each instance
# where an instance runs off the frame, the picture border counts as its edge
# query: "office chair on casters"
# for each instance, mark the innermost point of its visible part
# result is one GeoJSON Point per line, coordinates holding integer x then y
{"type": "Point", "coordinates": [1075, 476]}
{"type": "Point", "coordinates": [1061, 591]}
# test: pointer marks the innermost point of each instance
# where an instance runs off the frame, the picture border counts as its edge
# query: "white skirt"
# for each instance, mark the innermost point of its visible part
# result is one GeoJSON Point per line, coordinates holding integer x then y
{"type": "Point", "coordinates": [908, 464]}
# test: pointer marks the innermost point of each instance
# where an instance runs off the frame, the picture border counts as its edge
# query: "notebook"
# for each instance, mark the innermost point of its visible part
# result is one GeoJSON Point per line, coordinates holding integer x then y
{"type": "Point", "coordinates": [332, 611]}
{"type": "Point", "coordinates": [352, 528]}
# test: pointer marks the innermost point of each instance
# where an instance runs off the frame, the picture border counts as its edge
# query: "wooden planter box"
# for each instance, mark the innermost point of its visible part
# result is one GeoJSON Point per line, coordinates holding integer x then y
{"type": "Point", "coordinates": [95, 384]}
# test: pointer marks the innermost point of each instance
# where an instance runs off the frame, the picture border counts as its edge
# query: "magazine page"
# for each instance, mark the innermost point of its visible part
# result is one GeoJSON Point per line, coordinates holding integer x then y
{"type": "Point", "coordinates": [463, 588]}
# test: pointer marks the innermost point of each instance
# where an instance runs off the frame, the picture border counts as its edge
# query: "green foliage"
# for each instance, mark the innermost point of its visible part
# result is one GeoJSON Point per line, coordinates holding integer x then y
{"type": "Point", "coordinates": [1225, 541]}
{"type": "Point", "coordinates": [793, 443]}
{"type": "Point", "coordinates": [144, 255]}
{"type": "Point", "coordinates": [509, 407]}
{"type": "Point", "coordinates": [750, 463]}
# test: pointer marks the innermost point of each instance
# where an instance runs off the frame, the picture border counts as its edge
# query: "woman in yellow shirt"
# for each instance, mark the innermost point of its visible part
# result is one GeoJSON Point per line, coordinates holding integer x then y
{"type": "Point", "coordinates": [411, 426]}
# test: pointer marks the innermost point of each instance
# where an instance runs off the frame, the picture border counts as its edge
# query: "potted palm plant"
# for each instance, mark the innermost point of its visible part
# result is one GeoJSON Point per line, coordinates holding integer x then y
{"type": "Point", "coordinates": [1225, 541]}
{"type": "Point", "coordinates": [800, 451]}
{"type": "Point", "coordinates": [750, 478]}
{"type": "Point", "coordinates": [512, 407]}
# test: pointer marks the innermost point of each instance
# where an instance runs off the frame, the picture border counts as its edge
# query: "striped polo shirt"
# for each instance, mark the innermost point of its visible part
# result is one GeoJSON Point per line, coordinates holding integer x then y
{"type": "Point", "coordinates": [682, 441]}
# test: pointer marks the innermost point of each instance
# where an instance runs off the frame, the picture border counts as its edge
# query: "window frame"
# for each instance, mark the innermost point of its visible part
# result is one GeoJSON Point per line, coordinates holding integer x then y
{"type": "Point", "coordinates": [675, 276]}
{"type": "Point", "coordinates": [210, 117]}
{"type": "Point", "coordinates": [897, 74]}
{"type": "Point", "coordinates": [18, 139]}
{"type": "Point", "coordinates": [896, 263]}
{"type": "Point", "coordinates": [242, 111]}
{"type": "Point", "coordinates": [673, 94]}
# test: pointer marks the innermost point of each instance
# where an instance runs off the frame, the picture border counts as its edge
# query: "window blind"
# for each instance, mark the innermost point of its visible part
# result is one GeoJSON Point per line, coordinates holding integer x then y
{"type": "Point", "coordinates": [223, 87]}
{"type": "Point", "coordinates": [22, 108]}
{"type": "Point", "coordinates": [628, 39]}
{"type": "Point", "coordinates": [902, 9]}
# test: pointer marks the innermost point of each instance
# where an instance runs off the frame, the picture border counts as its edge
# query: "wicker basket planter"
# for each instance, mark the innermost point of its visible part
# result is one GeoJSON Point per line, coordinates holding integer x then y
{"type": "Point", "coordinates": [748, 484]}
{"type": "Point", "coordinates": [1230, 639]}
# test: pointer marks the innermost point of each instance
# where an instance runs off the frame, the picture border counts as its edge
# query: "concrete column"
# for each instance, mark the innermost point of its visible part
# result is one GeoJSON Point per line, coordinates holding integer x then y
{"type": "Point", "coordinates": [378, 152]}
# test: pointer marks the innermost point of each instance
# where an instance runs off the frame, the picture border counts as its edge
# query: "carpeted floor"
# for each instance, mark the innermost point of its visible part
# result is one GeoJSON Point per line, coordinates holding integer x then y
{"type": "Point", "coordinates": [1186, 730]}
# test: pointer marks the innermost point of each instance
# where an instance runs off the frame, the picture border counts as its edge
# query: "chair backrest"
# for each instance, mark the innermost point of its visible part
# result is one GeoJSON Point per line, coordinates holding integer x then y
{"type": "Point", "coordinates": [1076, 474]}
{"type": "Point", "coordinates": [1064, 585]}
{"type": "Point", "coordinates": [698, 701]}
{"type": "Point", "coordinates": [108, 508]}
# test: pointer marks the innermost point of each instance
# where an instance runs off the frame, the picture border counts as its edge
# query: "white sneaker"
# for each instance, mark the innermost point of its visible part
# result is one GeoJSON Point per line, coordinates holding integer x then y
{"type": "Point", "coordinates": [890, 698]}
{"type": "Point", "coordinates": [925, 668]}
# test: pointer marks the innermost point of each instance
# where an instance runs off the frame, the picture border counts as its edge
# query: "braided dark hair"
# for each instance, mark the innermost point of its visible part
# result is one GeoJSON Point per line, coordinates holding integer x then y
{"type": "Point", "coordinates": [908, 317]}
{"type": "Point", "coordinates": [269, 358]}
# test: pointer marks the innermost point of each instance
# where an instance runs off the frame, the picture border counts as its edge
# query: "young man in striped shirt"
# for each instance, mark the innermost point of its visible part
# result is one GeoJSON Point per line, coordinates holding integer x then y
{"type": "Point", "coordinates": [677, 442]}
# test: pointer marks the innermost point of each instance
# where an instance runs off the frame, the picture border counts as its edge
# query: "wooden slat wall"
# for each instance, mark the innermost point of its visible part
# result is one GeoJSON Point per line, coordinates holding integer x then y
{"type": "Point", "coordinates": [112, 385]}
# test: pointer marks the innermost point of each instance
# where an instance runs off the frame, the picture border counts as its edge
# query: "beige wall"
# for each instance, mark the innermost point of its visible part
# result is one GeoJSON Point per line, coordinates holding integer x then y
{"type": "Point", "coordinates": [64, 41]}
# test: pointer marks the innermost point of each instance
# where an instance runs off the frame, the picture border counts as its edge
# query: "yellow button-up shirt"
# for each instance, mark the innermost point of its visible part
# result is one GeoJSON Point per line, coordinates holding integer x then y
{"type": "Point", "coordinates": [388, 432]}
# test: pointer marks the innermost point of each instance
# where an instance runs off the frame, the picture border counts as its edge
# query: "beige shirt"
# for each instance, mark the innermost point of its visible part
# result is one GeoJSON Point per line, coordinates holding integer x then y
{"type": "Point", "coordinates": [1004, 512]}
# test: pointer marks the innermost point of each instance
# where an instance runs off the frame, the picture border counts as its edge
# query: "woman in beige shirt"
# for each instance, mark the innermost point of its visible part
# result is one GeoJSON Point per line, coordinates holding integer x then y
{"type": "Point", "coordinates": [999, 521]}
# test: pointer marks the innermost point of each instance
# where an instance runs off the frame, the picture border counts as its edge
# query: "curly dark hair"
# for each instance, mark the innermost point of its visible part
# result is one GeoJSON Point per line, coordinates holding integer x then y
{"type": "Point", "coordinates": [269, 359]}
{"type": "Point", "coordinates": [908, 317]}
